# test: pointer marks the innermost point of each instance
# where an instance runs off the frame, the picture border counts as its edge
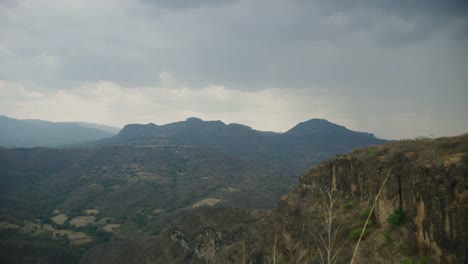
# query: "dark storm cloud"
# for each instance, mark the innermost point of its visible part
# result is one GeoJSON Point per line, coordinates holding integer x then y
{"type": "Point", "coordinates": [7, 2]}
{"type": "Point", "coordinates": [427, 16]}
{"type": "Point", "coordinates": [183, 4]}
{"type": "Point", "coordinates": [246, 44]}
{"type": "Point", "coordinates": [407, 7]}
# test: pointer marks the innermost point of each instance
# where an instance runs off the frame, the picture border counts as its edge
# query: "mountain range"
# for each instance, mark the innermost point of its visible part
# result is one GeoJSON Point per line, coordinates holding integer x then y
{"type": "Point", "coordinates": [33, 132]}
{"type": "Point", "coordinates": [305, 144]}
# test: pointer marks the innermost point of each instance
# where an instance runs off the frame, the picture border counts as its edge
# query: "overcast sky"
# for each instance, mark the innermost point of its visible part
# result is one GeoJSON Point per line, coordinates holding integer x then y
{"type": "Point", "coordinates": [398, 69]}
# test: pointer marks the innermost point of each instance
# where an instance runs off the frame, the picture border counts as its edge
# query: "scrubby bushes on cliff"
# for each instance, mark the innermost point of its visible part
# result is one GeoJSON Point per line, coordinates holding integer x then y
{"type": "Point", "coordinates": [356, 233]}
{"type": "Point", "coordinates": [396, 218]}
{"type": "Point", "coordinates": [364, 214]}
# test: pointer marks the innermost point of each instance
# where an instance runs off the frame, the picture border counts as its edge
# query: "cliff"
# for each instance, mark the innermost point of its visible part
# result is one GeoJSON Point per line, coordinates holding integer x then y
{"type": "Point", "coordinates": [427, 184]}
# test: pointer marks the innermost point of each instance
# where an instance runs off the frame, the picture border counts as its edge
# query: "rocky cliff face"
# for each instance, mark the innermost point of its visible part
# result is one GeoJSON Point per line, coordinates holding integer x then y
{"type": "Point", "coordinates": [420, 215]}
{"type": "Point", "coordinates": [427, 181]}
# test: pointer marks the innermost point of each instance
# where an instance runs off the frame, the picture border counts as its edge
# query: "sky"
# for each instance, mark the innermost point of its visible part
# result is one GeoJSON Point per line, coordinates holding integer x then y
{"type": "Point", "coordinates": [398, 69]}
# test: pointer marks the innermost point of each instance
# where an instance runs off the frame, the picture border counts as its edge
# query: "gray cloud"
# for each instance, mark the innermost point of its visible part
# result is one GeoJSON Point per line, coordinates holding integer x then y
{"type": "Point", "coordinates": [417, 19]}
{"type": "Point", "coordinates": [7, 3]}
{"type": "Point", "coordinates": [242, 45]}
{"type": "Point", "coordinates": [398, 7]}
{"type": "Point", "coordinates": [183, 4]}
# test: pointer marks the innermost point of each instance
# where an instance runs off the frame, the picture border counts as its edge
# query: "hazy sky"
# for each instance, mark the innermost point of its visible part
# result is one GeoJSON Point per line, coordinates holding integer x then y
{"type": "Point", "coordinates": [398, 69]}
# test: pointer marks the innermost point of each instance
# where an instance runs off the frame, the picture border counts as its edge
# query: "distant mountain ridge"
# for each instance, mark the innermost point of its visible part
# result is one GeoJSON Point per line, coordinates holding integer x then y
{"type": "Point", "coordinates": [33, 132]}
{"type": "Point", "coordinates": [307, 143]}
{"type": "Point", "coordinates": [106, 128]}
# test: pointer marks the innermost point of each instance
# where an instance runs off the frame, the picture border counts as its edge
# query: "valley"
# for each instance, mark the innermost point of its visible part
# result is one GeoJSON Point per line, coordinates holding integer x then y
{"type": "Point", "coordinates": [205, 192]}
{"type": "Point", "coordinates": [133, 185]}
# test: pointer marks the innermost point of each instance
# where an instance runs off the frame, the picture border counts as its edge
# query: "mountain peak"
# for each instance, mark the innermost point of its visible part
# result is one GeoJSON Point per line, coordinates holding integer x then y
{"type": "Point", "coordinates": [193, 120]}
{"type": "Point", "coordinates": [314, 125]}
{"type": "Point", "coordinates": [197, 122]}
{"type": "Point", "coordinates": [318, 122]}
{"type": "Point", "coordinates": [138, 130]}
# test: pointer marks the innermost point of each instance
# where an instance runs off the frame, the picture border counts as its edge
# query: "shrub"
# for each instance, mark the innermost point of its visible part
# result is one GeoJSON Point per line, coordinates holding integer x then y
{"type": "Point", "coordinates": [348, 205]}
{"type": "Point", "coordinates": [364, 214]}
{"type": "Point", "coordinates": [396, 218]}
{"type": "Point", "coordinates": [387, 236]}
{"type": "Point", "coordinates": [371, 152]}
{"type": "Point", "coordinates": [356, 233]}
{"type": "Point", "coordinates": [408, 261]}
{"type": "Point", "coordinates": [418, 260]}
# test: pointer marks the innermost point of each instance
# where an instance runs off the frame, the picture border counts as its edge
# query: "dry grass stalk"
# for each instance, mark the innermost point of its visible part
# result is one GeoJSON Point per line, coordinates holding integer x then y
{"type": "Point", "coordinates": [369, 216]}
{"type": "Point", "coordinates": [328, 247]}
